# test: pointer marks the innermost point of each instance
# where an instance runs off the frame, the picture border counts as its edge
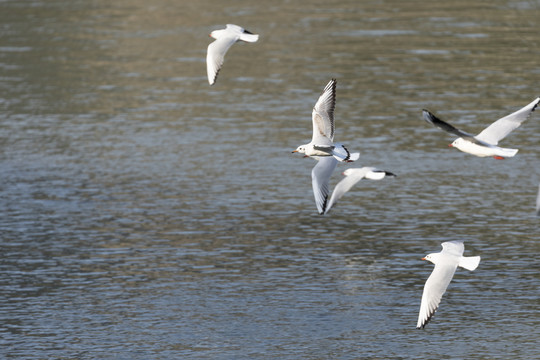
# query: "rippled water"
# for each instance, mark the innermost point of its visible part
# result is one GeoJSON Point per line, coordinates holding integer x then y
{"type": "Point", "coordinates": [147, 215]}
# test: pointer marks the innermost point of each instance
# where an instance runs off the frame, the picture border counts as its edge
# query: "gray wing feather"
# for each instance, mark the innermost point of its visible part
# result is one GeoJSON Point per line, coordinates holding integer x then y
{"type": "Point", "coordinates": [345, 185]}
{"type": "Point", "coordinates": [353, 176]}
{"type": "Point", "coordinates": [504, 126]}
{"type": "Point", "coordinates": [455, 247]}
{"type": "Point", "coordinates": [215, 56]}
{"type": "Point", "coordinates": [323, 113]}
{"type": "Point", "coordinates": [320, 179]}
{"type": "Point", "coordinates": [435, 287]}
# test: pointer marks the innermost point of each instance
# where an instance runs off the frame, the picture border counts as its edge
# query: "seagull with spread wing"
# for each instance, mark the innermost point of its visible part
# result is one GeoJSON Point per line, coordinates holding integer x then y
{"type": "Point", "coordinates": [446, 262]}
{"type": "Point", "coordinates": [320, 179]}
{"type": "Point", "coordinates": [322, 141]}
{"type": "Point", "coordinates": [485, 143]}
{"type": "Point", "coordinates": [352, 176]}
{"type": "Point", "coordinates": [225, 38]}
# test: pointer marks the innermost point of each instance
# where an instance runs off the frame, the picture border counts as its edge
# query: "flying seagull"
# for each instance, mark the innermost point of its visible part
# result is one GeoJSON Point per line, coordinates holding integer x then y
{"type": "Point", "coordinates": [323, 129]}
{"type": "Point", "coordinates": [446, 263]}
{"type": "Point", "coordinates": [320, 179]}
{"type": "Point", "coordinates": [352, 176]}
{"type": "Point", "coordinates": [485, 143]}
{"type": "Point", "coordinates": [225, 38]}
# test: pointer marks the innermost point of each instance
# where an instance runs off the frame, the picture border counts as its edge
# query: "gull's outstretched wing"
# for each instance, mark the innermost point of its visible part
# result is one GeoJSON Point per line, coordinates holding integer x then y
{"type": "Point", "coordinates": [504, 126]}
{"type": "Point", "coordinates": [216, 55]}
{"type": "Point", "coordinates": [433, 120]}
{"type": "Point", "coordinates": [435, 287]}
{"type": "Point", "coordinates": [352, 176]}
{"type": "Point", "coordinates": [320, 178]}
{"type": "Point", "coordinates": [455, 247]}
{"type": "Point", "coordinates": [323, 115]}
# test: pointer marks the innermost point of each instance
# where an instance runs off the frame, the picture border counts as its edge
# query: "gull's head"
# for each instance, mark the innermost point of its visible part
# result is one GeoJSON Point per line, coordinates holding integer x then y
{"type": "Point", "coordinates": [301, 149]}
{"type": "Point", "coordinates": [431, 257]}
{"type": "Point", "coordinates": [457, 143]}
{"type": "Point", "coordinates": [216, 33]}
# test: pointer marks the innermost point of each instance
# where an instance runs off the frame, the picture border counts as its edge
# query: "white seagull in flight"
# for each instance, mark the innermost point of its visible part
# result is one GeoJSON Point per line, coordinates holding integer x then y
{"type": "Point", "coordinates": [446, 263]}
{"type": "Point", "coordinates": [320, 179]}
{"type": "Point", "coordinates": [225, 38]}
{"type": "Point", "coordinates": [485, 143]}
{"type": "Point", "coordinates": [352, 176]}
{"type": "Point", "coordinates": [322, 144]}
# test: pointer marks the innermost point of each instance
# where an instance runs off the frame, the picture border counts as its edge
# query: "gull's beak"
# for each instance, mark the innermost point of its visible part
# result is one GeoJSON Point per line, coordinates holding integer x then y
{"type": "Point", "coordinates": [423, 258]}
{"type": "Point", "coordinates": [450, 145]}
{"type": "Point", "coordinates": [295, 151]}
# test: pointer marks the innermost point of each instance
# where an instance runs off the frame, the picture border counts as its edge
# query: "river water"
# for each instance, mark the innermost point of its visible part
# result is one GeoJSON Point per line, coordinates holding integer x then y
{"type": "Point", "coordinates": [147, 215]}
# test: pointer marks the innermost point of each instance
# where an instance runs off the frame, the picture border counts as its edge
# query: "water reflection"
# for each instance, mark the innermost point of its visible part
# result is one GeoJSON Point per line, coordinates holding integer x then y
{"type": "Point", "coordinates": [145, 214]}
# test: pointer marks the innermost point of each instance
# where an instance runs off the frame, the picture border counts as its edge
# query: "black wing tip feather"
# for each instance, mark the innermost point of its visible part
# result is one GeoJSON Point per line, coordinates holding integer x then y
{"type": "Point", "coordinates": [215, 77]}
{"type": "Point", "coordinates": [429, 116]}
{"type": "Point", "coordinates": [435, 121]}
{"type": "Point", "coordinates": [427, 320]}
{"type": "Point", "coordinates": [325, 203]}
{"type": "Point", "coordinates": [386, 173]}
{"type": "Point", "coordinates": [332, 84]}
{"type": "Point", "coordinates": [536, 105]}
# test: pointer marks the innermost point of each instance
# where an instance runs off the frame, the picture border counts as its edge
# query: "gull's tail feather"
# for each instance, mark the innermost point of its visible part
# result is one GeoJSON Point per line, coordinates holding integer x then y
{"type": "Point", "coordinates": [506, 152]}
{"type": "Point", "coordinates": [354, 156]}
{"type": "Point", "coordinates": [469, 262]}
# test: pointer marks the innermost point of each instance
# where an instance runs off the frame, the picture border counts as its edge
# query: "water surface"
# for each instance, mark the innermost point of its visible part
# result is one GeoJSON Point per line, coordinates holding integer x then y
{"type": "Point", "coordinates": [145, 214]}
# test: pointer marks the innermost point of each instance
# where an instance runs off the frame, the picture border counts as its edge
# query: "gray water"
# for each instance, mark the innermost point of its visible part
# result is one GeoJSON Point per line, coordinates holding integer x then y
{"type": "Point", "coordinates": [147, 215]}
